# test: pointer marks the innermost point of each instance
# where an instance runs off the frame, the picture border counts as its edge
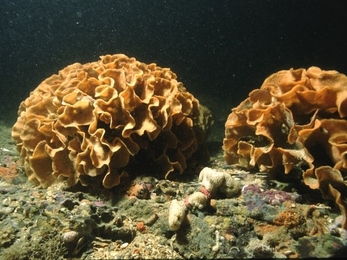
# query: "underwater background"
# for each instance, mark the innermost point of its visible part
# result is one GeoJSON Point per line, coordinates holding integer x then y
{"type": "Point", "coordinates": [222, 49]}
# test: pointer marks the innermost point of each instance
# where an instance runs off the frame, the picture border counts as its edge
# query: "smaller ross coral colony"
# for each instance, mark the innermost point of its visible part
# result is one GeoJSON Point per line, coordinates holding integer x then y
{"type": "Point", "coordinates": [295, 123]}
{"type": "Point", "coordinates": [118, 118]}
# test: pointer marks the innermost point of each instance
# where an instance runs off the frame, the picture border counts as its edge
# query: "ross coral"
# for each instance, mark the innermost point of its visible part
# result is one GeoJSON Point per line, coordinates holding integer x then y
{"type": "Point", "coordinates": [333, 186]}
{"type": "Point", "coordinates": [294, 124]}
{"type": "Point", "coordinates": [109, 118]}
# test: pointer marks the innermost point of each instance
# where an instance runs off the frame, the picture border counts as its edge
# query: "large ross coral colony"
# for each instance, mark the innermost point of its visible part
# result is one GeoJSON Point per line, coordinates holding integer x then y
{"type": "Point", "coordinates": [104, 118]}
{"type": "Point", "coordinates": [101, 123]}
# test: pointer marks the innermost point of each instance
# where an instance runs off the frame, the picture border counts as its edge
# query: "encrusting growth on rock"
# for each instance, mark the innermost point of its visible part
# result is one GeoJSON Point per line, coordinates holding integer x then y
{"type": "Point", "coordinates": [177, 213]}
{"type": "Point", "coordinates": [211, 182]}
{"type": "Point", "coordinates": [214, 181]}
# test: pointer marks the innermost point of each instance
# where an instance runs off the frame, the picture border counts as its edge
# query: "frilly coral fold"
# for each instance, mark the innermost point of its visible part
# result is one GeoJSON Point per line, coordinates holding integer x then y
{"type": "Point", "coordinates": [294, 125]}
{"type": "Point", "coordinates": [107, 118]}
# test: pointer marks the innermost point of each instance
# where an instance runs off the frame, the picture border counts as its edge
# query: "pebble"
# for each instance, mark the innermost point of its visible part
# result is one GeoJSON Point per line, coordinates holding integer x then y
{"type": "Point", "coordinates": [124, 245]}
{"type": "Point", "coordinates": [6, 210]}
{"type": "Point", "coordinates": [6, 201]}
{"type": "Point", "coordinates": [70, 236]}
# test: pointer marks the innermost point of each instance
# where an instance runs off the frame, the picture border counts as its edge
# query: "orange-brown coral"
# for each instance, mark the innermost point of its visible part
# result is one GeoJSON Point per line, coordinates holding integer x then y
{"type": "Point", "coordinates": [109, 118]}
{"type": "Point", "coordinates": [8, 173]}
{"type": "Point", "coordinates": [295, 123]}
{"type": "Point", "coordinates": [288, 218]}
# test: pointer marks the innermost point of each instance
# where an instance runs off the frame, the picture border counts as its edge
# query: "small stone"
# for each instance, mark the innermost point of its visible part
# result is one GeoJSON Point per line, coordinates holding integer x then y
{"type": "Point", "coordinates": [6, 202]}
{"type": "Point", "coordinates": [288, 252]}
{"type": "Point", "coordinates": [124, 245]}
{"type": "Point", "coordinates": [70, 236]}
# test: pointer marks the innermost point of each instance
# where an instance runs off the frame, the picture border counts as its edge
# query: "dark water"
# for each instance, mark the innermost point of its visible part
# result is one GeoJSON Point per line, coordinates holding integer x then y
{"type": "Point", "coordinates": [220, 48]}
